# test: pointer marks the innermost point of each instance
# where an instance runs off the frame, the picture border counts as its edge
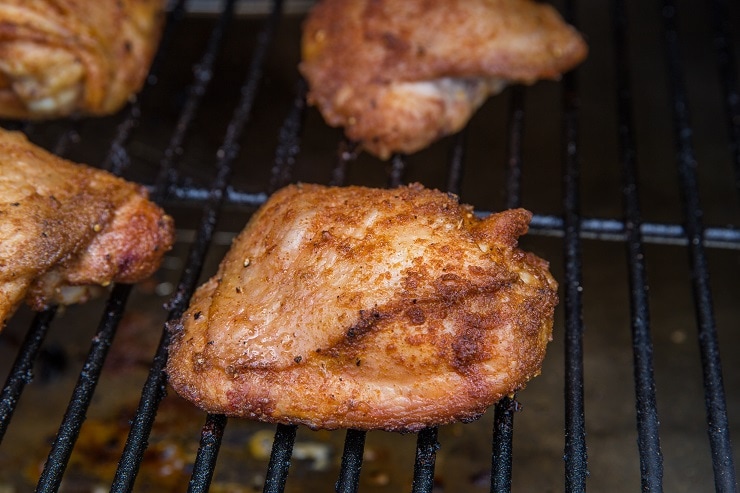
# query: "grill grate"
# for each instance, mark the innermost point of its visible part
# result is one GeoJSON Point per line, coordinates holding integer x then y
{"type": "Point", "coordinates": [171, 189]}
{"type": "Point", "coordinates": [651, 461]}
{"type": "Point", "coordinates": [719, 438]}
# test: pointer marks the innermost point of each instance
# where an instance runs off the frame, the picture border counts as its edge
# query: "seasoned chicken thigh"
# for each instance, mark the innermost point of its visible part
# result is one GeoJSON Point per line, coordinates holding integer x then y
{"type": "Point", "coordinates": [67, 230]}
{"type": "Point", "coordinates": [399, 74]}
{"type": "Point", "coordinates": [365, 308]}
{"type": "Point", "coordinates": [59, 57]}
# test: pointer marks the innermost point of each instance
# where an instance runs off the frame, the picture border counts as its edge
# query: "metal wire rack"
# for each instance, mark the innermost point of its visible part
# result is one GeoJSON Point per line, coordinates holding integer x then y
{"type": "Point", "coordinates": [172, 187]}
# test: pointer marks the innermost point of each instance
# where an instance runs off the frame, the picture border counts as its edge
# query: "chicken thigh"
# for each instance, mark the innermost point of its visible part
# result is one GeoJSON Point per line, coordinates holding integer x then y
{"type": "Point", "coordinates": [63, 57]}
{"type": "Point", "coordinates": [352, 307]}
{"type": "Point", "coordinates": [67, 230]}
{"type": "Point", "coordinates": [399, 74]}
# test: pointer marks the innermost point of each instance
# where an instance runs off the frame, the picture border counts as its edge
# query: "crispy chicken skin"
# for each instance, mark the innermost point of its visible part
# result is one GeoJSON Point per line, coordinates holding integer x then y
{"type": "Point", "coordinates": [399, 74]}
{"type": "Point", "coordinates": [363, 308]}
{"type": "Point", "coordinates": [59, 57]}
{"type": "Point", "coordinates": [66, 228]}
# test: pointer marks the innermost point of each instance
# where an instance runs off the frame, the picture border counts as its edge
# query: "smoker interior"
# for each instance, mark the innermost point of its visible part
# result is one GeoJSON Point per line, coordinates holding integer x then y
{"type": "Point", "coordinates": [633, 393]}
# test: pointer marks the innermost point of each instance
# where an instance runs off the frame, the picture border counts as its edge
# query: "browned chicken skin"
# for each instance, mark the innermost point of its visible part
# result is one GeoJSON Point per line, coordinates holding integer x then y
{"type": "Point", "coordinates": [399, 74]}
{"type": "Point", "coordinates": [59, 57]}
{"type": "Point", "coordinates": [364, 308]}
{"type": "Point", "coordinates": [66, 229]}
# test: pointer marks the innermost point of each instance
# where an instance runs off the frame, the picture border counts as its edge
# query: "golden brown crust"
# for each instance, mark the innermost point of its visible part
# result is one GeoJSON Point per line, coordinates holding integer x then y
{"type": "Point", "coordinates": [66, 227]}
{"type": "Point", "coordinates": [364, 308]}
{"type": "Point", "coordinates": [59, 57]}
{"type": "Point", "coordinates": [398, 74]}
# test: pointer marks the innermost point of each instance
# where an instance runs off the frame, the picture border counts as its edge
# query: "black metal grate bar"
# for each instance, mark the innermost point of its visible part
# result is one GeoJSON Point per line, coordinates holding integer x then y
{"type": "Point", "coordinates": [503, 418]}
{"type": "Point", "coordinates": [651, 459]}
{"type": "Point", "coordinates": [503, 434]}
{"type": "Point", "coordinates": [397, 169]}
{"type": "Point", "coordinates": [346, 153]}
{"type": "Point", "coordinates": [717, 423]}
{"type": "Point", "coordinates": [155, 386]}
{"type": "Point", "coordinates": [22, 371]}
{"type": "Point", "coordinates": [56, 463]}
{"type": "Point", "coordinates": [614, 230]}
{"type": "Point", "coordinates": [513, 197]}
{"type": "Point", "coordinates": [542, 224]}
{"type": "Point", "coordinates": [575, 434]}
{"type": "Point", "coordinates": [289, 139]}
{"type": "Point", "coordinates": [349, 472]}
{"type": "Point", "coordinates": [279, 465]}
{"type": "Point", "coordinates": [141, 424]}
{"type": "Point", "coordinates": [203, 71]}
{"type": "Point", "coordinates": [456, 163]}
{"type": "Point", "coordinates": [426, 458]}
{"type": "Point", "coordinates": [728, 78]}
{"type": "Point", "coordinates": [205, 461]}
{"type": "Point", "coordinates": [118, 158]}
{"type": "Point", "coordinates": [68, 137]}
